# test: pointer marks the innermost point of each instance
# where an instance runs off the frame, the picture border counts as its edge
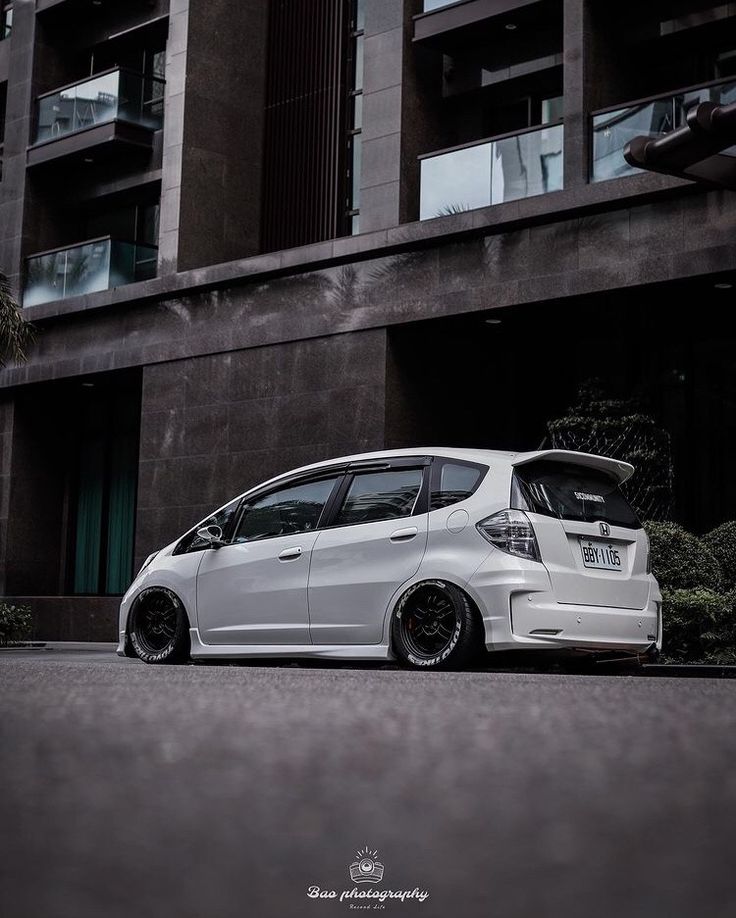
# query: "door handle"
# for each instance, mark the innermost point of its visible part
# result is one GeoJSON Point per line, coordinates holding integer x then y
{"type": "Point", "coordinates": [290, 554]}
{"type": "Point", "coordinates": [403, 535]}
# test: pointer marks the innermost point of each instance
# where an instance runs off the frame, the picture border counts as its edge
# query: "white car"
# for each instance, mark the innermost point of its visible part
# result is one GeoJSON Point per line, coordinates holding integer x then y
{"type": "Point", "coordinates": [427, 556]}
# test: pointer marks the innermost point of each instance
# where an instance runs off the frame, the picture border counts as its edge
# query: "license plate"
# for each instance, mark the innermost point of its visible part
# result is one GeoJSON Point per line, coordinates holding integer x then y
{"type": "Point", "coordinates": [602, 556]}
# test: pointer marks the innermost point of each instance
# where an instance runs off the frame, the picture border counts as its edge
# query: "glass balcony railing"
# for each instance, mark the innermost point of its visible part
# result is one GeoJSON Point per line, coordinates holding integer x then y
{"type": "Point", "coordinates": [115, 95]}
{"type": "Point", "coordinates": [87, 268]}
{"type": "Point", "coordinates": [613, 129]}
{"type": "Point", "coordinates": [430, 5]}
{"type": "Point", "coordinates": [506, 169]}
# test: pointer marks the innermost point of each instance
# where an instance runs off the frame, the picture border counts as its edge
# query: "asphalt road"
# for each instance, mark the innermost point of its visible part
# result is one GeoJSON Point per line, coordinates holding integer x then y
{"type": "Point", "coordinates": [218, 791]}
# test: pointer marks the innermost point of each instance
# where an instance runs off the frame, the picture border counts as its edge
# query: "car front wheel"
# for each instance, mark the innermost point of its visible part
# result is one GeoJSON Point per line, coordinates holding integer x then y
{"type": "Point", "coordinates": [159, 628]}
{"type": "Point", "coordinates": [435, 626]}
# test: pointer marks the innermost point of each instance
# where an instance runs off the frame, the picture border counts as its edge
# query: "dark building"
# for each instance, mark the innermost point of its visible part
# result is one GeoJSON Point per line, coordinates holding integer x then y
{"type": "Point", "coordinates": [254, 234]}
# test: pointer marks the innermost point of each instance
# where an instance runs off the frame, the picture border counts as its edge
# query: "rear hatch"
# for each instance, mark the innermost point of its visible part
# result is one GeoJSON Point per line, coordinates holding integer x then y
{"type": "Point", "coordinates": [590, 539]}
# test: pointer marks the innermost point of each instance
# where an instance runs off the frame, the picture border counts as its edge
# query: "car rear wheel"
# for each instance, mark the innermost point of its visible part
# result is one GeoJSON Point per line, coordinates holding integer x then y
{"type": "Point", "coordinates": [435, 626]}
{"type": "Point", "coordinates": [159, 628]}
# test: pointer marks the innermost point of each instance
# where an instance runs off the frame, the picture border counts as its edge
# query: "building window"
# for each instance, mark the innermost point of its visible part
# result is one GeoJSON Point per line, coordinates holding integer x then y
{"type": "Point", "coordinates": [725, 65]}
{"type": "Point", "coordinates": [104, 480]}
{"type": "Point", "coordinates": [6, 20]}
{"type": "Point", "coordinates": [355, 114]}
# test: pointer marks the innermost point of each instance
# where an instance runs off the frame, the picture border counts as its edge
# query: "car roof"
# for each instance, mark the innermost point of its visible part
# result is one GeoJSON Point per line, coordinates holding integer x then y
{"type": "Point", "coordinates": [621, 470]}
{"type": "Point", "coordinates": [469, 455]}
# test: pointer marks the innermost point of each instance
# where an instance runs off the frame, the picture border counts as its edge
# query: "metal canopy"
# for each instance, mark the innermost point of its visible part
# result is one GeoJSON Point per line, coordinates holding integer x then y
{"type": "Point", "coordinates": [699, 150]}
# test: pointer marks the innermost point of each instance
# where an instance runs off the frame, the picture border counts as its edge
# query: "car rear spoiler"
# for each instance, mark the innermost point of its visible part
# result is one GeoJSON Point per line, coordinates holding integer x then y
{"type": "Point", "coordinates": [621, 470]}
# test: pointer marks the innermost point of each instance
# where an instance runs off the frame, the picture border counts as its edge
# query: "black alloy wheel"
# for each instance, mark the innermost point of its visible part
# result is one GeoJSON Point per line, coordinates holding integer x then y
{"type": "Point", "coordinates": [435, 626]}
{"type": "Point", "coordinates": [159, 628]}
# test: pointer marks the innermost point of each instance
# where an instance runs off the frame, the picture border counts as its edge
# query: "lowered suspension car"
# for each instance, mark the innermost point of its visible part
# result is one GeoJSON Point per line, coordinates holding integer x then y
{"type": "Point", "coordinates": [428, 556]}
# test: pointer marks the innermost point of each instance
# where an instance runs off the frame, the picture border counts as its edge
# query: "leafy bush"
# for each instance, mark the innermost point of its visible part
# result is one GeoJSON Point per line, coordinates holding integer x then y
{"type": "Point", "coordinates": [15, 623]}
{"type": "Point", "coordinates": [680, 561]}
{"type": "Point", "coordinates": [699, 625]}
{"type": "Point", "coordinates": [699, 612]}
{"type": "Point", "coordinates": [721, 542]}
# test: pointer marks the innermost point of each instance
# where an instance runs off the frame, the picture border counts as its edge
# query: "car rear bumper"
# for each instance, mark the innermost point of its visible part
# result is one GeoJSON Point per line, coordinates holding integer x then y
{"type": "Point", "coordinates": [536, 616]}
{"type": "Point", "coordinates": [521, 612]}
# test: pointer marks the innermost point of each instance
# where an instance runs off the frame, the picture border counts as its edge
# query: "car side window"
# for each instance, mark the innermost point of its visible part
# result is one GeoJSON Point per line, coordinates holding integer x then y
{"type": "Point", "coordinates": [380, 496]}
{"type": "Point", "coordinates": [288, 510]}
{"type": "Point", "coordinates": [222, 518]}
{"type": "Point", "coordinates": [455, 482]}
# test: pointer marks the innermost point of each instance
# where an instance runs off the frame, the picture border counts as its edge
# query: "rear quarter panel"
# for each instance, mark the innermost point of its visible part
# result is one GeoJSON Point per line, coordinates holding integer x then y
{"type": "Point", "coordinates": [455, 548]}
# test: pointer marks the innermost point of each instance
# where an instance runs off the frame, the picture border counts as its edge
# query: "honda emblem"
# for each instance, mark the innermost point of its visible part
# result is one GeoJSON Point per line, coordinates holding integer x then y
{"type": "Point", "coordinates": [605, 529]}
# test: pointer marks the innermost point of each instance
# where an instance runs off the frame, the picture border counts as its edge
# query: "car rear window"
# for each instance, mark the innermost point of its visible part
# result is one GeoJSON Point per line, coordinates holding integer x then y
{"type": "Point", "coordinates": [571, 492]}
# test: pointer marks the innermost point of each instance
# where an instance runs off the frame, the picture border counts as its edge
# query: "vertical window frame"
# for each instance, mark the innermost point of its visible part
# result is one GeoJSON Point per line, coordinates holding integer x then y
{"type": "Point", "coordinates": [6, 20]}
{"type": "Point", "coordinates": [353, 139]}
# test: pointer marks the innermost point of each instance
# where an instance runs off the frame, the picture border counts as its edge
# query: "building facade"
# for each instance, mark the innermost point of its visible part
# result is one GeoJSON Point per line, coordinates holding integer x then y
{"type": "Point", "coordinates": [257, 234]}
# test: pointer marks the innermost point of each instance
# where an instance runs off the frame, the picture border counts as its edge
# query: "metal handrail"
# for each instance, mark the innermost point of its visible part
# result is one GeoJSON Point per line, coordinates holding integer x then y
{"type": "Point", "coordinates": [664, 95]}
{"type": "Point", "coordinates": [97, 239]}
{"type": "Point", "coordinates": [496, 137]}
{"type": "Point", "coordinates": [95, 76]}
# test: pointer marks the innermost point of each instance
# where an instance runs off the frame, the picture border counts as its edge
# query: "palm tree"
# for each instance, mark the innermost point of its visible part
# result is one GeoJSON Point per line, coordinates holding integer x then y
{"type": "Point", "coordinates": [15, 333]}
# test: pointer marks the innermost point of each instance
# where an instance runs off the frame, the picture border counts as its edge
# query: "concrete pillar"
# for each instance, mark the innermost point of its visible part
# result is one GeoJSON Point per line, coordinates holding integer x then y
{"type": "Point", "coordinates": [576, 81]}
{"type": "Point", "coordinates": [384, 52]}
{"type": "Point", "coordinates": [213, 134]}
{"type": "Point", "coordinates": [18, 124]}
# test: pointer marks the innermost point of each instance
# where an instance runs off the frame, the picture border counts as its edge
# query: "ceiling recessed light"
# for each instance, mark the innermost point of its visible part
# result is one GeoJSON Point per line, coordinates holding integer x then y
{"type": "Point", "coordinates": [493, 321]}
{"type": "Point", "coordinates": [511, 27]}
{"type": "Point", "coordinates": [88, 385]}
{"type": "Point", "coordinates": [723, 286]}
{"type": "Point", "coordinates": [89, 159]}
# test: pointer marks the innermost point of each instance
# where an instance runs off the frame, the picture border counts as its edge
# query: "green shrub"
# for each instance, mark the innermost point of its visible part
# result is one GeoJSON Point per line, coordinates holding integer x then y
{"type": "Point", "coordinates": [721, 542]}
{"type": "Point", "coordinates": [681, 561]}
{"type": "Point", "coordinates": [15, 623]}
{"type": "Point", "coordinates": [699, 626]}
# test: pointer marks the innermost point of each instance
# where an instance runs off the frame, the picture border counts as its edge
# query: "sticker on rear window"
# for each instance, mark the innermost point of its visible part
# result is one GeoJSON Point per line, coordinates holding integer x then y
{"type": "Point", "coordinates": [598, 498]}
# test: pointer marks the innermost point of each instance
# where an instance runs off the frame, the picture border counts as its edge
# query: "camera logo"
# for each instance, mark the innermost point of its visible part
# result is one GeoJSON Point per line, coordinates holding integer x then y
{"type": "Point", "coordinates": [366, 869]}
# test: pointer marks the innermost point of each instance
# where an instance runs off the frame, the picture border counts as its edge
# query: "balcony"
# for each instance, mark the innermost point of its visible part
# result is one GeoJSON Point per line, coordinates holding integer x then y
{"type": "Point", "coordinates": [89, 267]}
{"type": "Point", "coordinates": [82, 5]}
{"type": "Point", "coordinates": [446, 24]}
{"type": "Point", "coordinates": [614, 128]}
{"type": "Point", "coordinates": [430, 5]}
{"type": "Point", "coordinates": [116, 109]}
{"type": "Point", "coordinates": [503, 169]}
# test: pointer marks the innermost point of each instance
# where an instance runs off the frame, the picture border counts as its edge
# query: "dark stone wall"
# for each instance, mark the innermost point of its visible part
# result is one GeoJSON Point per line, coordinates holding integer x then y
{"type": "Point", "coordinates": [667, 240]}
{"type": "Point", "coordinates": [255, 367]}
{"type": "Point", "coordinates": [18, 120]}
{"type": "Point", "coordinates": [219, 216]}
{"type": "Point", "coordinates": [4, 60]}
{"type": "Point", "coordinates": [7, 406]}
{"type": "Point", "coordinates": [214, 426]}
{"type": "Point", "coordinates": [71, 618]}
{"type": "Point", "coordinates": [37, 483]}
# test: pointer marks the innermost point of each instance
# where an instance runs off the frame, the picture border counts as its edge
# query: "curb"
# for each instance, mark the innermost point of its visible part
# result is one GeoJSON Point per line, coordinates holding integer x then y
{"type": "Point", "coordinates": [24, 645]}
{"type": "Point", "coordinates": [690, 670]}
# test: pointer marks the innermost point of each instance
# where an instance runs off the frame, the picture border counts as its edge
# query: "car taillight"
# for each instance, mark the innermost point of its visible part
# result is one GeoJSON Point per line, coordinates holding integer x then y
{"type": "Point", "coordinates": [649, 556]}
{"type": "Point", "coordinates": [511, 531]}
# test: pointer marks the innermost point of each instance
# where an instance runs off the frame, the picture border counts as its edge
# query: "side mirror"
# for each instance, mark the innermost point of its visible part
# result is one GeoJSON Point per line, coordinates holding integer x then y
{"type": "Point", "coordinates": [212, 535]}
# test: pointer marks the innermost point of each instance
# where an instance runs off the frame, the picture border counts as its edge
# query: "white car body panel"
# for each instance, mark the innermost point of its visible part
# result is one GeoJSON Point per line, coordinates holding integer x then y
{"type": "Point", "coordinates": [355, 572]}
{"type": "Point", "coordinates": [350, 585]}
{"type": "Point", "coordinates": [572, 583]}
{"type": "Point", "coordinates": [247, 594]}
